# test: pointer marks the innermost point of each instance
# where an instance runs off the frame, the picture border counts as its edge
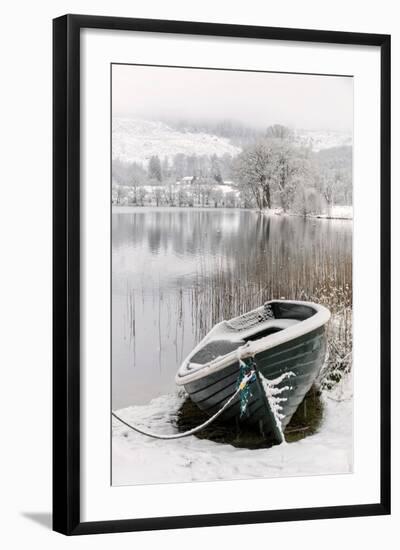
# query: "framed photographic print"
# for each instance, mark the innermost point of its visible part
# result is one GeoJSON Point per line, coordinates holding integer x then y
{"type": "Point", "coordinates": [221, 274]}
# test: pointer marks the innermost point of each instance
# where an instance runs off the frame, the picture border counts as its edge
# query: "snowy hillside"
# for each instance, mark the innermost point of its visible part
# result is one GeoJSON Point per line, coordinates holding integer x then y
{"type": "Point", "coordinates": [318, 140]}
{"type": "Point", "coordinates": [137, 140]}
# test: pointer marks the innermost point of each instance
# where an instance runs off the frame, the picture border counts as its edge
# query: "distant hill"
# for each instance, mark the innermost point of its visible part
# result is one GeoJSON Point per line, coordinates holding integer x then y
{"type": "Point", "coordinates": [242, 135]}
{"type": "Point", "coordinates": [136, 140]}
{"type": "Point", "coordinates": [323, 139]}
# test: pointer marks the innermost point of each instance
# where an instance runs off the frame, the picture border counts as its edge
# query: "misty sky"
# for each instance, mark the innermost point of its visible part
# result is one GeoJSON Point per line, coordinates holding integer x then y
{"type": "Point", "coordinates": [255, 99]}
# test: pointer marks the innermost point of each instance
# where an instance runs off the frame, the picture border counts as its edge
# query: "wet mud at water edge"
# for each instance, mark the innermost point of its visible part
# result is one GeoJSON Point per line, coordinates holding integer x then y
{"type": "Point", "coordinates": [305, 422]}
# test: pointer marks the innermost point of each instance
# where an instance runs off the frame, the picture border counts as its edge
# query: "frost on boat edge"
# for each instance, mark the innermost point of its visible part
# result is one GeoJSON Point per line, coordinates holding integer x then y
{"type": "Point", "coordinates": [272, 324]}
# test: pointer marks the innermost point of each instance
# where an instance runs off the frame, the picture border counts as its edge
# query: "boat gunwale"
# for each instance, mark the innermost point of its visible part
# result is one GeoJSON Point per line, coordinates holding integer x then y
{"type": "Point", "coordinates": [252, 348]}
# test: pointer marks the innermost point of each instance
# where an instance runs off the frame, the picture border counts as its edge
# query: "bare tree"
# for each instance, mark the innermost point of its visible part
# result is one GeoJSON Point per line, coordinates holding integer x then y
{"type": "Point", "coordinates": [159, 195]}
{"type": "Point", "coordinates": [206, 189]}
{"type": "Point", "coordinates": [292, 168]}
{"type": "Point", "coordinates": [307, 200]}
{"type": "Point", "coordinates": [273, 166]}
{"type": "Point", "coordinates": [216, 196]}
{"type": "Point", "coordinates": [121, 194]}
{"type": "Point", "coordinates": [254, 171]}
{"type": "Point", "coordinates": [329, 183]}
{"type": "Point", "coordinates": [170, 191]}
{"type": "Point", "coordinates": [140, 196]}
{"type": "Point", "coordinates": [230, 199]}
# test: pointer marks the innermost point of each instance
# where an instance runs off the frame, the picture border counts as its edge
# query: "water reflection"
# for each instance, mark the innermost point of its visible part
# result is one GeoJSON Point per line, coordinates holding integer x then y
{"type": "Point", "coordinates": [176, 272]}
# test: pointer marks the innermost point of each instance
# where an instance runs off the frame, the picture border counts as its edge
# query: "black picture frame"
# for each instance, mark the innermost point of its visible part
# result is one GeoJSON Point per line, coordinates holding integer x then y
{"type": "Point", "coordinates": [66, 273]}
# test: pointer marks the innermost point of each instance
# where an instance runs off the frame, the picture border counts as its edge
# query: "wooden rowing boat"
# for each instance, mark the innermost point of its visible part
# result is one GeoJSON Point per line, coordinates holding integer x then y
{"type": "Point", "coordinates": [283, 341]}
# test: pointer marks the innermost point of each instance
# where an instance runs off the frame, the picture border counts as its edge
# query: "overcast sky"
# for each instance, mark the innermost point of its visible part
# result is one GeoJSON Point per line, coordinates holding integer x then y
{"type": "Point", "coordinates": [255, 99]}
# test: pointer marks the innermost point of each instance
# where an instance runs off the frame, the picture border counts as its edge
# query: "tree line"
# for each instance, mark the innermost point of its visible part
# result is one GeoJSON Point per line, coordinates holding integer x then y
{"type": "Point", "coordinates": [216, 169]}
{"type": "Point", "coordinates": [271, 171]}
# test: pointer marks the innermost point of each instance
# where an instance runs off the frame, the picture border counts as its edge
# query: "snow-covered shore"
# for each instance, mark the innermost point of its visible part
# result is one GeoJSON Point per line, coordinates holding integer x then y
{"type": "Point", "coordinates": [137, 459]}
{"type": "Point", "coordinates": [338, 212]}
{"type": "Point", "coordinates": [334, 213]}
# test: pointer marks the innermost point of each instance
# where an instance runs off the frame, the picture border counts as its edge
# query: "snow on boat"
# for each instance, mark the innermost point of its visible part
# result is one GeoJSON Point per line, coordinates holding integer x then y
{"type": "Point", "coordinates": [283, 341]}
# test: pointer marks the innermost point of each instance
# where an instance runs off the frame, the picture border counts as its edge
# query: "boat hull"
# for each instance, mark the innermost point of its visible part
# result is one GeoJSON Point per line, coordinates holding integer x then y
{"type": "Point", "coordinates": [295, 364]}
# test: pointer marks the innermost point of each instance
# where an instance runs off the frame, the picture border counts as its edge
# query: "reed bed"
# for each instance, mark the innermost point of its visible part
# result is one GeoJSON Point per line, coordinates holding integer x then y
{"type": "Point", "coordinates": [229, 291]}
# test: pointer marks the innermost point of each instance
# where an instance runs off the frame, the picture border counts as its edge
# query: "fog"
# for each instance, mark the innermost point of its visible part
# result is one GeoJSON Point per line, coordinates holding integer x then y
{"type": "Point", "coordinates": [314, 102]}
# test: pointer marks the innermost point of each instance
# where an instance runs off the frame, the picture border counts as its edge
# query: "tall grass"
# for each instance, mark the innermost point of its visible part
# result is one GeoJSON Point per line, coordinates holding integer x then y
{"type": "Point", "coordinates": [227, 293]}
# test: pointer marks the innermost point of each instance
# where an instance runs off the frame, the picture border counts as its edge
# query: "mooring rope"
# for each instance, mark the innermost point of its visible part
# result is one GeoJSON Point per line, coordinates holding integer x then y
{"type": "Point", "coordinates": [247, 378]}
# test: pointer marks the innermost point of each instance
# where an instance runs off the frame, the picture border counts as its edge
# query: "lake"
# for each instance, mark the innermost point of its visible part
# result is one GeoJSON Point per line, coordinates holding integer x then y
{"type": "Point", "coordinates": [178, 271]}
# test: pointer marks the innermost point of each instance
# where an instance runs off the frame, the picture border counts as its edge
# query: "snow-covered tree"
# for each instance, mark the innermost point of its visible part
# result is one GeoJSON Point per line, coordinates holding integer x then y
{"type": "Point", "coordinates": [182, 197]}
{"type": "Point", "coordinates": [121, 194]}
{"type": "Point", "coordinates": [335, 174]}
{"type": "Point", "coordinates": [273, 167]}
{"type": "Point", "coordinates": [159, 196]}
{"type": "Point", "coordinates": [277, 131]}
{"type": "Point", "coordinates": [140, 196]}
{"type": "Point", "coordinates": [293, 168]}
{"type": "Point", "coordinates": [216, 196]}
{"type": "Point", "coordinates": [230, 199]}
{"type": "Point", "coordinates": [253, 169]}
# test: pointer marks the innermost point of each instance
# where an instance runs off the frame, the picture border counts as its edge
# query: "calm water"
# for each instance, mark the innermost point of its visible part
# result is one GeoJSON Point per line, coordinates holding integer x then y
{"type": "Point", "coordinates": [177, 272]}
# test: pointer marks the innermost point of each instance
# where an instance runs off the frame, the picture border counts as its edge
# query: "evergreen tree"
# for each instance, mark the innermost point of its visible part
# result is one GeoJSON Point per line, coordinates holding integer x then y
{"type": "Point", "coordinates": [155, 168]}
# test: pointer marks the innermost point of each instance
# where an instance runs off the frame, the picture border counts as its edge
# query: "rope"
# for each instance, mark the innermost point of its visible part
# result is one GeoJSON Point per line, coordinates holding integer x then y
{"type": "Point", "coordinates": [247, 378]}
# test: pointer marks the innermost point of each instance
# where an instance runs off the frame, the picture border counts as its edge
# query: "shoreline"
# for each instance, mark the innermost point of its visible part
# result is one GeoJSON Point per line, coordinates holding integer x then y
{"type": "Point", "coordinates": [126, 208]}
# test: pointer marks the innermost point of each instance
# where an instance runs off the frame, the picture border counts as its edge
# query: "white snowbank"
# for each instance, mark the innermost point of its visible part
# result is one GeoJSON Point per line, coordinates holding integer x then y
{"type": "Point", "coordinates": [335, 212]}
{"type": "Point", "coordinates": [137, 459]}
{"type": "Point", "coordinates": [338, 212]}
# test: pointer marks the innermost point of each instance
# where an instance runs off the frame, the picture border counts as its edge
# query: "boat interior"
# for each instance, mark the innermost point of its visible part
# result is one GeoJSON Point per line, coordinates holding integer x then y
{"type": "Point", "coordinates": [259, 323]}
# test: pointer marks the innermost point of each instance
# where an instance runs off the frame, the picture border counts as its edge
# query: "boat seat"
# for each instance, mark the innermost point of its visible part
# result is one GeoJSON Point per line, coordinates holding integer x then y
{"type": "Point", "coordinates": [214, 349]}
{"type": "Point", "coordinates": [281, 323]}
{"type": "Point", "coordinates": [219, 347]}
{"type": "Point", "coordinates": [267, 328]}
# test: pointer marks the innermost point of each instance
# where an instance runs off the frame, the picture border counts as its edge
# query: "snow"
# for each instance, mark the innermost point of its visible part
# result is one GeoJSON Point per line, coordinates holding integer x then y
{"type": "Point", "coordinates": [272, 391]}
{"type": "Point", "coordinates": [333, 213]}
{"type": "Point", "coordinates": [338, 212]}
{"type": "Point", "coordinates": [321, 139]}
{"type": "Point", "coordinates": [227, 330]}
{"type": "Point", "coordinates": [135, 140]}
{"type": "Point", "coordinates": [137, 459]}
